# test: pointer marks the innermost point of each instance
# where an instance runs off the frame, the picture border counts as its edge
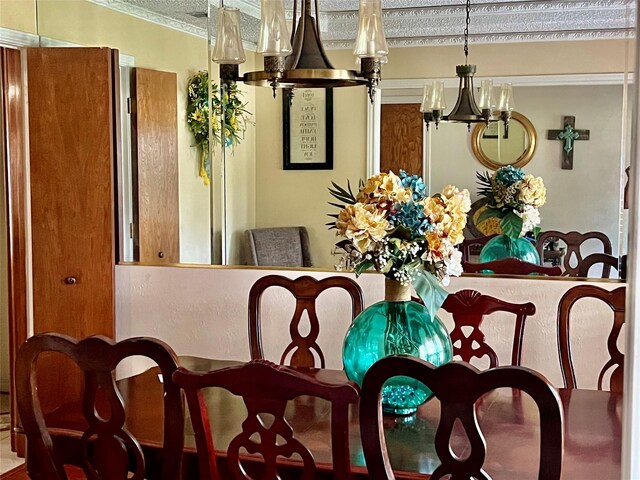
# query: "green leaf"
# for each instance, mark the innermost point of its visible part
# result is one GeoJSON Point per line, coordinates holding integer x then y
{"type": "Point", "coordinates": [429, 290]}
{"type": "Point", "coordinates": [337, 205]}
{"type": "Point", "coordinates": [536, 232]}
{"type": "Point", "coordinates": [486, 214]}
{"type": "Point", "coordinates": [511, 225]}
{"type": "Point", "coordinates": [361, 267]}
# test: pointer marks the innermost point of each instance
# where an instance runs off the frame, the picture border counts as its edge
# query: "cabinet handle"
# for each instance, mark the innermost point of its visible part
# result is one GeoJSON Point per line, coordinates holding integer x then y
{"type": "Point", "coordinates": [70, 280]}
{"type": "Point", "coordinates": [161, 254]}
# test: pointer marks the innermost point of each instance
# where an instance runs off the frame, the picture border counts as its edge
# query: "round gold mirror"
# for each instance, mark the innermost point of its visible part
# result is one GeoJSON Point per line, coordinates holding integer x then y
{"type": "Point", "coordinates": [496, 147]}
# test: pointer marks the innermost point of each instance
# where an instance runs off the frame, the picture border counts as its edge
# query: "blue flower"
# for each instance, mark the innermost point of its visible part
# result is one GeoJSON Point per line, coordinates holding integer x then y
{"type": "Point", "coordinates": [415, 183]}
{"type": "Point", "coordinates": [508, 175]}
{"type": "Point", "coordinates": [410, 215]}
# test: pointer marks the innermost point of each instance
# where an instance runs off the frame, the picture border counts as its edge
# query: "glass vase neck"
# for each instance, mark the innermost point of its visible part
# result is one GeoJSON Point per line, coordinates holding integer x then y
{"type": "Point", "coordinates": [394, 291]}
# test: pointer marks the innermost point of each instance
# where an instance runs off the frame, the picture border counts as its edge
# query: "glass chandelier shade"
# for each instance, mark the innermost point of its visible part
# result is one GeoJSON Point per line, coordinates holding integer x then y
{"type": "Point", "coordinates": [274, 39]}
{"type": "Point", "coordinates": [228, 48]}
{"type": "Point", "coordinates": [506, 103]}
{"type": "Point", "coordinates": [370, 40]}
{"type": "Point", "coordinates": [487, 99]}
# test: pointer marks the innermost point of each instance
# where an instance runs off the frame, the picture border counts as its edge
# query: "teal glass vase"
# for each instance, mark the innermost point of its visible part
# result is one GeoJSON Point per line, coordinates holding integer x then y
{"type": "Point", "coordinates": [396, 327]}
{"type": "Point", "coordinates": [503, 246]}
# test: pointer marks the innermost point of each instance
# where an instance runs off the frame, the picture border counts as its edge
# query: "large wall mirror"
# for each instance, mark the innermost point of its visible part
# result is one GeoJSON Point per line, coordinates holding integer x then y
{"type": "Point", "coordinates": [249, 188]}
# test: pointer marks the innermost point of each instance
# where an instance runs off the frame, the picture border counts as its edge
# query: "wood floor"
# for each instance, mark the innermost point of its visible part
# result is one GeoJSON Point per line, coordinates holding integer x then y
{"type": "Point", "coordinates": [18, 473]}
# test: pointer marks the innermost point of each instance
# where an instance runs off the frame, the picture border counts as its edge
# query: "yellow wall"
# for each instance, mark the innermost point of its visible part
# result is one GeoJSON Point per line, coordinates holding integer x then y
{"type": "Point", "coordinates": [299, 197]}
{"type": "Point", "coordinates": [18, 15]}
{"type": "Point", "coordinates": [535, 58]}
{"type": "Point", "coordinates": [155, 47]}
{"type": "Point", "coordinates": [241, 176]}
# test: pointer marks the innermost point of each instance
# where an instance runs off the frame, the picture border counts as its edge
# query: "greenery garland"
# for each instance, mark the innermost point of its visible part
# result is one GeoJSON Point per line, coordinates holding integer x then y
{"type": "Point", "coordinates": [236, 117]}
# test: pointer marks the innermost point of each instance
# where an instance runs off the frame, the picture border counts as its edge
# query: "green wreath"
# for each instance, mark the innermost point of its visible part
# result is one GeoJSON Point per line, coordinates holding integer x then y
{"type": "Point", "coordinates": [236, 117]}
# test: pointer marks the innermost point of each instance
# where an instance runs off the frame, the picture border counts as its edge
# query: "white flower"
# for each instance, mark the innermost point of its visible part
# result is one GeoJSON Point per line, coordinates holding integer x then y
{"type": "Point", "coordinates": [530, 219]}
{"type": "Point", "coordinates": [453, 263]}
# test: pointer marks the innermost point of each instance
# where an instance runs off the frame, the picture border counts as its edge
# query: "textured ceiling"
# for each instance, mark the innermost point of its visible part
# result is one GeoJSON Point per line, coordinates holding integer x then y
{"type": "Point", "coordinates": [419, 22]}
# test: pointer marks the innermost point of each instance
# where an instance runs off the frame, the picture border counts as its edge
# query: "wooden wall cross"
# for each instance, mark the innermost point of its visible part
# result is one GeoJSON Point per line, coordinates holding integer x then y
{"type": "Point", "coordinates": [568, 135]}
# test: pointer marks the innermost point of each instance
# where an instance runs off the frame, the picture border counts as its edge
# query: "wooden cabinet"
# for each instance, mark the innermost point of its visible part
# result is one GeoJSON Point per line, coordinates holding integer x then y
{"type": "Point", "coordinates": [154, 122]}
{"type": "Point", "coordinates": [401, 138]}
{"type": "Point", "coordinates": [73, 130]}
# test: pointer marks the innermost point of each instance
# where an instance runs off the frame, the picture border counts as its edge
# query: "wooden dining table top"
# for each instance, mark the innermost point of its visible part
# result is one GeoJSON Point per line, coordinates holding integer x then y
{"type": "Point", "coordinates": [508, 419]}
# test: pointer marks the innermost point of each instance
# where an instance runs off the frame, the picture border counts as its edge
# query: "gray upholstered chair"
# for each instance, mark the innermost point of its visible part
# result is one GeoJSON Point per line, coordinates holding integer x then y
{"type": "Point", "coordinates": [278, 247]}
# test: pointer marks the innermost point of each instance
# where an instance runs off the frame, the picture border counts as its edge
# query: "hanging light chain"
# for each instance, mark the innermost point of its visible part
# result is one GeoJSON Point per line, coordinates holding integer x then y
{"type": "Point", "coordinates": [466, 32]}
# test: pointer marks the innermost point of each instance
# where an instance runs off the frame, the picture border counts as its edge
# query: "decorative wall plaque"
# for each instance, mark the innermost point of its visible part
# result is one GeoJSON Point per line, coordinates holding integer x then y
{"type": "Point", "coordinates": [307, 116]}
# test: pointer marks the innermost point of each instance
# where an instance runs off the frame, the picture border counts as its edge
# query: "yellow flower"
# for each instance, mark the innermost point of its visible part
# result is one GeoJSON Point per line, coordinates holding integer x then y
{"type": "Point", "coordinates": [457, 201]}
{"type": "Point", "coordinates": [384, 190]}
{"type": "Point", "coordinates": [434, 209]}
{"type": "Point", "coordinates": [532, 191]}
{"type": "Point", "coordinates": [362, 224]}
{"type": "Point", "coordinates": [197, 116]}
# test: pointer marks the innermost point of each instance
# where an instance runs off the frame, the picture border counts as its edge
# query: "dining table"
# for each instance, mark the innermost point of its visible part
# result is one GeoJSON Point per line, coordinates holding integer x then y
{"type": "Point", "coordinates": [508, 419]}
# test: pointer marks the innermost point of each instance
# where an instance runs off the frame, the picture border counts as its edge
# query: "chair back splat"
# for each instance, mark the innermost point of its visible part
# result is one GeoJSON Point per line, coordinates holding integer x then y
{"type": "Point", "coordinates": [574, 241]}
{"type": "Point", "coordinates": [615, 299]}
{"type": "Point", "coordinates": [306, 290]}
{"type": "Point", "coordinates": [458, 386]}
{"type": "Point", "coordinates": [469, 308]}
{"type": "Point", "coordinates": [266, 388]}
{"type": "Point", "coordinates": [103, 447]}
{"type": "Point", "coordinates": [607, 262]}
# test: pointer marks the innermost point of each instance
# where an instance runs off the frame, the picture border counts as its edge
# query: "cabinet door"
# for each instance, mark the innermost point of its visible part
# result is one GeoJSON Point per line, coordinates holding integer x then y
{"type": "Point", "coordinates": [401, 138]}
{"type": "Point", "coordinates": [155, 136]}
{"type": "Point", "coordinates": [71, 148]}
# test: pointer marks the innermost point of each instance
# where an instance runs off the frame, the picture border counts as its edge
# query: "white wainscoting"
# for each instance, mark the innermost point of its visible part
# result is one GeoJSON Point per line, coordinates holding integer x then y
{"type": "Point", "coordinates": [203, 312]}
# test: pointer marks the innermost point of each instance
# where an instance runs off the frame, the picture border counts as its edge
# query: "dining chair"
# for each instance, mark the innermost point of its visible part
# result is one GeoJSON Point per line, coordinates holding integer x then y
{"type": "Point", "coordinates": [300, 352]}
{"type": "Point", "coordinates": [98, 440]}
{"type": "Point", "coordinates": [607, 262]}
{"type": "Point", "coordinates": [266, 388]}
{"type": "Point", "coordinates": [512, 266]}
{"type": "Point", "coordinates": [574, 241]}
{"type": "Point", "coordinates": [278, 247]}
{"type": "Point", "coordinates": [615, 299]}
{"type": "Point", "coordinates": [470, 246]}
{"type": "Point", "coordinates": [458, 386]}
{"type": "Point", "coordinates": [469, 308]}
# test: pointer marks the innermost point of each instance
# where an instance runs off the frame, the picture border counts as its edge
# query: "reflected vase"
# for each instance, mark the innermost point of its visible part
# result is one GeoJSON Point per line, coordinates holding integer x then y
{"type": "Point", "coordinates": [503, 246]}
{"type": "Point", "coordinates": [394, 327]}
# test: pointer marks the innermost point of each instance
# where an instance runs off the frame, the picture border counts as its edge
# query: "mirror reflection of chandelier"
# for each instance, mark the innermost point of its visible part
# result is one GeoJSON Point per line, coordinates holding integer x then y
{"type": "Point", "coordinates": [466, 110]}
{"type": "Point", "coordinates": [299, 60]}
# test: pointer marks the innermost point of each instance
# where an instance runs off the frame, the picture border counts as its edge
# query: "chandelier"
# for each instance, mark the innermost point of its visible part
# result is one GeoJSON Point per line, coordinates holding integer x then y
{"type": "Point", "coordinates": [466, 110]}
{"type": "Point", "coordinates": [299, 60]}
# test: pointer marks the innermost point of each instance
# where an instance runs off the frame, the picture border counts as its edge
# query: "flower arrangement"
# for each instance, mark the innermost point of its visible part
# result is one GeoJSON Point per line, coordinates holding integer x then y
{"type": "Point", "coordinates": [395, 227]}
{"type": "Point", "coordinates": [235, 112]}
{"type": "Point", "coordinates": [514, 197]}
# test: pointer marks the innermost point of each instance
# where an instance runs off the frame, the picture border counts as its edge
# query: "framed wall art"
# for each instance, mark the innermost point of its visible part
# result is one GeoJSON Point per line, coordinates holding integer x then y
{"type": "Point", "coordinates": [307, 129]}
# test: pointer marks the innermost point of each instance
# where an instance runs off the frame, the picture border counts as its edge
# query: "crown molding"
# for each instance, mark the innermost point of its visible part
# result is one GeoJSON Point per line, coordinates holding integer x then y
{"type": "Point", "coordinates": [517, 81]}
{"type": "Point", "coordinates": [16, 39]}
{"type": "Point", "coordinates": [431, 22]}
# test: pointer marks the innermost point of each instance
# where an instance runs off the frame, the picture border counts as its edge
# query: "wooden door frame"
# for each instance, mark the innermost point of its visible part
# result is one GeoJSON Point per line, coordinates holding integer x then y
{"type": "Point", "coordinates": [14, 163]}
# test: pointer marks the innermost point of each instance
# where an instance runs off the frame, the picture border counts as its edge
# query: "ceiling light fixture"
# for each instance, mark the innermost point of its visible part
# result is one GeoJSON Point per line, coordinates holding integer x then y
{"type": "Point", "coordinates": [466, 110]}
{"type": "Point", "coordinates": [299, 60]}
